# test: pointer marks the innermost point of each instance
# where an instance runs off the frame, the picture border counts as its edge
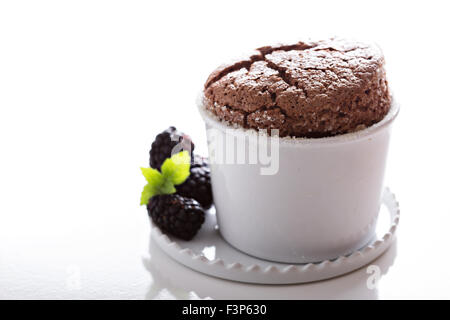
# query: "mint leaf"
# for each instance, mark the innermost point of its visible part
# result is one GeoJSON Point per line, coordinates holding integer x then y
{"type": "Point", "coordinates": [176, 169]}
{"type": "Point", "coordinates": [152, 176]}
{"type": "Point", "coordinates": [148, 192]}
{"type": "Point", "coordinates": [167, 188]}
{"type": "Point", "coordinates": [155, 181]}
{"type": "Point", "coordinates": [151, 190]}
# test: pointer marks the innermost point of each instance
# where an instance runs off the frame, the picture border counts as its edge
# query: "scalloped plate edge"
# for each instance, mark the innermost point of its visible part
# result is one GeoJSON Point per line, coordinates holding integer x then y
{"type": "Point", "coordinates": [291, 273]}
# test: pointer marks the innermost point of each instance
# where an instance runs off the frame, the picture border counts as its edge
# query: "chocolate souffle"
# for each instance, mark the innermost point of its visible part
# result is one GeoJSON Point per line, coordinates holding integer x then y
{"type": "Point", "coordinates": [307, 89]}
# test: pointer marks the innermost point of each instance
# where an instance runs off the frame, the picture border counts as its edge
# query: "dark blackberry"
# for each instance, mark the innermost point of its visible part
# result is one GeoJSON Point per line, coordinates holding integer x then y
{"type": "Point", "coordinates": [181, 217]}
{"type": "Point", "coordinates": [198, 184]}
{"type": "Point", "coordinates": [199, 161]}
{"type": "Point", "coordinates": [165, 143]}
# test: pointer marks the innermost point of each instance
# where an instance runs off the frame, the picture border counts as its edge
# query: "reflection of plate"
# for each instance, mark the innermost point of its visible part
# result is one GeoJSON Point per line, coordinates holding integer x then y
{"type": "Point", "coordinates": [210, 254]}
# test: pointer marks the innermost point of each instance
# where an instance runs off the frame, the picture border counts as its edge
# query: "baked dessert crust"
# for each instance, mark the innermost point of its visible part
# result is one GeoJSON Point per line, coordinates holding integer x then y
{"type": "Point", "coordinates": [307, 89]}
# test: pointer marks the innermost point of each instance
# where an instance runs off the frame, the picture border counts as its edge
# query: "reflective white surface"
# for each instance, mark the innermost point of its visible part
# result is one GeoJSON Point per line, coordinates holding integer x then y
{"type": "Point", "coordinates": [194, 284]}
{"type": "Point", "coordinates": [86, 85]}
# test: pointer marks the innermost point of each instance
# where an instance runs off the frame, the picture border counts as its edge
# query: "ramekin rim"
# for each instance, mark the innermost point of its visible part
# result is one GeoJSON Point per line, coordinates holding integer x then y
{"type": "Point", "coordinates": [394, 109]}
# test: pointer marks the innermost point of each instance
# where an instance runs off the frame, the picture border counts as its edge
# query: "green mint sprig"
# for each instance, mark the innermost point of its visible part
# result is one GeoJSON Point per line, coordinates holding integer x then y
{"type": "Point", "coordinates": [174, 171]}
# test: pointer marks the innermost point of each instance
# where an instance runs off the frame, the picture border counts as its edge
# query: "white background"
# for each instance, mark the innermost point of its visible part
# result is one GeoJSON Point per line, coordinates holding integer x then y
{"type": "Point", "coordinates": [86, 85]}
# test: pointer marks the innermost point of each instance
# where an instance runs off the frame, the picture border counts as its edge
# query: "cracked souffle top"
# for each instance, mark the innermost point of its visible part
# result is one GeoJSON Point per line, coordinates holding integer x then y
{"type": "Point", "coordinates": [308, 89]}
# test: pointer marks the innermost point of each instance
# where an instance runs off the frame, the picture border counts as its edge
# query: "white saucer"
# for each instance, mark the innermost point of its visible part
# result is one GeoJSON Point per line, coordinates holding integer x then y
{"type": "Point", "coordinates": [209, 253]}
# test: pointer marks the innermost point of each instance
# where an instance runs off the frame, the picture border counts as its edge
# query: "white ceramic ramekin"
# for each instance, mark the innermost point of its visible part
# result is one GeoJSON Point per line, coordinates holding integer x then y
{"type": "Point", "coordinates": [323, 201]}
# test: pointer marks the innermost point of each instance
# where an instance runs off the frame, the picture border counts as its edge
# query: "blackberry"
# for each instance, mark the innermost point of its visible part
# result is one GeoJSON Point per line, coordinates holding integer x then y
{"type": "Point", "coordinates": [165, 143]}
{"type": "Point", "coordinates": [199, 161]}
{"type": "Point", "coordinates": [181, 217]}
{"type": "Point", "coordinates": [198, 184]}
